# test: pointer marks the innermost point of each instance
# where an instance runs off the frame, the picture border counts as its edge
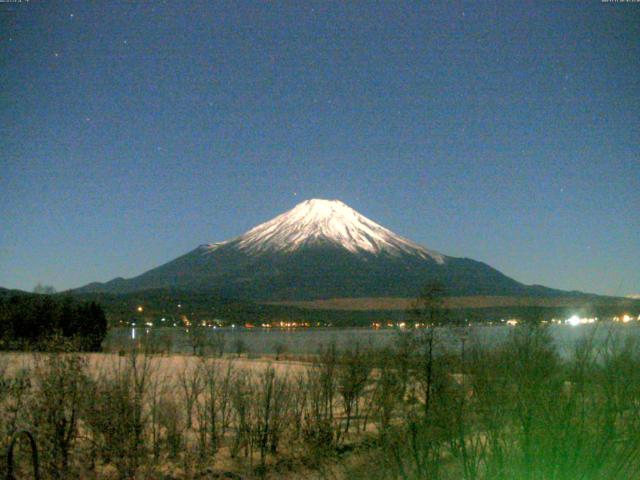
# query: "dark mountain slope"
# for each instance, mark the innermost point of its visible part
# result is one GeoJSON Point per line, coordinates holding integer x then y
{"type": "Point", "coordinates": [320, 249]}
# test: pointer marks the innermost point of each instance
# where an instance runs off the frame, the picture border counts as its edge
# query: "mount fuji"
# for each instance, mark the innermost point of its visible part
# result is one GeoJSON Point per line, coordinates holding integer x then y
{"type": "Point", "coordinates": [318, 250]}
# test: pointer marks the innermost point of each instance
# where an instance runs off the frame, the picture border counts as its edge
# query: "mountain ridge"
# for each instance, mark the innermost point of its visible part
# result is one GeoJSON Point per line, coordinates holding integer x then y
{"type": "Point", "coordinates": [320, 249]}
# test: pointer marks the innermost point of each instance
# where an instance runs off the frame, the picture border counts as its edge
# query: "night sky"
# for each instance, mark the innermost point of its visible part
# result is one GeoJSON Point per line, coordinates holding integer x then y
{"type": "Point", "coordinates": [134, 131]}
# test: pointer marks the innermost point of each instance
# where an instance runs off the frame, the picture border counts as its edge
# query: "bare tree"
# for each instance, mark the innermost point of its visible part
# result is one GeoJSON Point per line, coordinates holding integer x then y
{"type": "Point", "coordinates": [60, 380]}
{"type": "Point", "coordinates": [44, 289]}
{"type": "Point", "coordinates": [218, 342]}
{"type": "Point", "coordinates": [197, 339]}
{"type": "Point", "coordinates": [280, 349]}
{"type": "Point", "coordinates": [191, 382]}
{"type": "Point", "coordinates": [115, 413]}
{"type": "Point", "coordinates": [353, 372]}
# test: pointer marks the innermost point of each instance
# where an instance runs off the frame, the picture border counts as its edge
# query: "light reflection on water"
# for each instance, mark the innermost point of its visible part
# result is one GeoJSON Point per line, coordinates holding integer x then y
{"type": "Point", "coordinates": [310, 340]}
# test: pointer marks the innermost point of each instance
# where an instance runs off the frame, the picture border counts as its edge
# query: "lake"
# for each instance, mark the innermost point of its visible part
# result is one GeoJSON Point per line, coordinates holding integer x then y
{"type": "Point", "coordinates": [260, 341]}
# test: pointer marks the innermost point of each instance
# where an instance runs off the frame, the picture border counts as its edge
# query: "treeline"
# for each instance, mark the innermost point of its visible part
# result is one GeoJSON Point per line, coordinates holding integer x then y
{"type": "Point", "coordinates": [26, 321]}
{"type": "Point", "coordinates": [202, 305]}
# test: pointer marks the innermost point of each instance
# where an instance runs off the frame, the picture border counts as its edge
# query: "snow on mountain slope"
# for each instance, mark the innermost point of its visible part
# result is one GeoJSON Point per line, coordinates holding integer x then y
{"type": "Point", "coordinates": [326, 221]}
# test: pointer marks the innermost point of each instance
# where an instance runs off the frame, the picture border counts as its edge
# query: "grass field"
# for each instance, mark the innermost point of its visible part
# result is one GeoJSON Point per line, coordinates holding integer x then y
{"type": "Point", "coordinates": [392, 303]}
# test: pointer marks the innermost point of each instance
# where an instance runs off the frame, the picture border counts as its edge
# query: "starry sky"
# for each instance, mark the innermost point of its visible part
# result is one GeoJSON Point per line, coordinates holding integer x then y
{"type": "Point", "coordinates": [507, 132]}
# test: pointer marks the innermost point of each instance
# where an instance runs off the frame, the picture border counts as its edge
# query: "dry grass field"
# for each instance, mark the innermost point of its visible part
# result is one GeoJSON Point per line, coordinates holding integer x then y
{"type": "Point", "coordinates": [169, 366]}
{"type": "Point", "coordinates": [161, 410]}
{"type": "Point", "coordinates": [393, 303]}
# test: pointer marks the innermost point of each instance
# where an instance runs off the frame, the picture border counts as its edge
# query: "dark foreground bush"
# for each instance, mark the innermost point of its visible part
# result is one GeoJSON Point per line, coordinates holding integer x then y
{"type": "Point", "coordinates": [26, 321]}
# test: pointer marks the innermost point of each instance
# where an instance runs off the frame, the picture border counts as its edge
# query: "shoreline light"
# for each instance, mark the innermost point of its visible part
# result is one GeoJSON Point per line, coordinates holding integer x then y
{"type": "Point", "coordinates": [574, 320]}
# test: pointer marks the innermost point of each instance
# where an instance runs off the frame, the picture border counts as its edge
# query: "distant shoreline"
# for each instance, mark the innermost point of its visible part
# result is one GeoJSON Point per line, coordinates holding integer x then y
{"type": "Point", "coordinates": [395, 303]}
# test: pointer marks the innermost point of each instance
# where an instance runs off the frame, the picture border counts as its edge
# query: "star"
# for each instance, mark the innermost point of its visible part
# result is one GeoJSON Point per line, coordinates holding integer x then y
{"type": "Point", "coordinates": [71, 15]}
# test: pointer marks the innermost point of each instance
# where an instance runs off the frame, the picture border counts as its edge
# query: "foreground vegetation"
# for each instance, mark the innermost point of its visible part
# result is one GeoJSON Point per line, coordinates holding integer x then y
{"type": "Point", "coordinates": [517, 411]}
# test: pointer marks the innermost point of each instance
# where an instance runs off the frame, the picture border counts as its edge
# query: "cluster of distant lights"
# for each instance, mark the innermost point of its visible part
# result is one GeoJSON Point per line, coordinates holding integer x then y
{"type": "Point", "coordinates": [574, 321]}
{"type": "Point", "coordinates": [185, 322]}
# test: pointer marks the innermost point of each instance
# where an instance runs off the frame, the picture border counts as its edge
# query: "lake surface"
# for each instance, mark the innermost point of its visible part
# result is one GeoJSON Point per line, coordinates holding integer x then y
{"type": "Point", "coordinates": [310, 340]}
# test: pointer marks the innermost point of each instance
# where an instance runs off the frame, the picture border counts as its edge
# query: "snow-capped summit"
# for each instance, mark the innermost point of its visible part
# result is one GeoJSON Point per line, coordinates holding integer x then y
{"type": "Point", "coordinates": [318, 221]}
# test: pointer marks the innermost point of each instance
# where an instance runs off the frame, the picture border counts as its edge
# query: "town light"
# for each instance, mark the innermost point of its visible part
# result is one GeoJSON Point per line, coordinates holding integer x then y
{"type": "Point", "coordinates": [574, 321]}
